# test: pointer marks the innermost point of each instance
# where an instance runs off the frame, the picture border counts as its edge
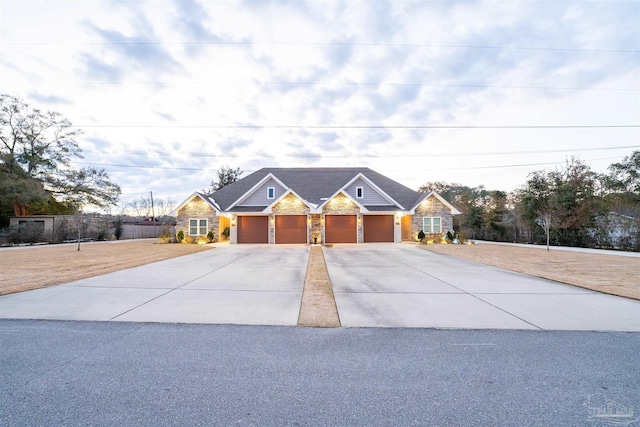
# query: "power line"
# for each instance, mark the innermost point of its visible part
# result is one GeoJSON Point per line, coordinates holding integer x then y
{"type": "Point", "coordinates": [143, 166]}
{"type": "Point", "coordinates": [348, 84]}
{"type": "Point", "coordinates": [430, 169]}
{"type": "Point", "coordinates": [249, 43]}
{"type": "Point", "coordinates": [372, 156]}
{"type": "Point", "coordinates": [361, 127]}
{"type": "Point", "coordinates": [515, 165]}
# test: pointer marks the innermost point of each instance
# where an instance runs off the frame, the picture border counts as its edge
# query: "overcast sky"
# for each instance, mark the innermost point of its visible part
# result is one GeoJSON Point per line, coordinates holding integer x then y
{"type": "Point", "coordinates": [169, 91]}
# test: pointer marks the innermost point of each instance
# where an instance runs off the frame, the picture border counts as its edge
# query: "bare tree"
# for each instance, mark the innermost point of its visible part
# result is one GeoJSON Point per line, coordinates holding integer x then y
{"type": "Point", "coordinates": [142, 206]}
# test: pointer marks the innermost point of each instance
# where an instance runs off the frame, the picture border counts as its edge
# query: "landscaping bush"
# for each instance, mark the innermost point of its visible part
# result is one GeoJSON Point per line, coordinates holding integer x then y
{"type": "Point", "coordinates": [226, 232]}
{"type": "Point", "coordinates": [180, 236]}
{"type": "Point", "coordinates": [26, 233]}
{"type": "Point", "coordinates": [435, 238]}
{"type": "Point", "coordinates": [165, 234]}
{"type": "Point", "coordinates": [65, 231]}
{"type": "Point", "coordinates": [210, 237]}
{"type": "Point", "coordinates": [421, 235]}
{"type": "Point", "coordinates": [188, 239]}
{"type": "Point", "coordinates": [118, 225]}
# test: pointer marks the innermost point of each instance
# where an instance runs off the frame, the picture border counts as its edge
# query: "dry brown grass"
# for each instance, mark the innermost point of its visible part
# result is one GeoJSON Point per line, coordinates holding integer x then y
{"type": "Point", "coordinates": [41, 266]}
{"type": "Point", "coordinates": [318, 306]}
{"type": "Point", "coordinates": [616, 275]}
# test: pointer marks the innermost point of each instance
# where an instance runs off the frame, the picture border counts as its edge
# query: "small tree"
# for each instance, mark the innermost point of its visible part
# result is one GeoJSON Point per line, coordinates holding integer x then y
{"type": "Point", "coordinates": [118, 227]}
{"type": "Point", "coordinates": [88, 186]}
{"type": "Point", "coordinates": [545, 222]}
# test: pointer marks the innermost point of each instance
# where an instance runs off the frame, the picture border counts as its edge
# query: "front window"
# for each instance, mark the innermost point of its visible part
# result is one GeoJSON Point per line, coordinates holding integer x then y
{"type": "Point", "coordinates": [197, 227]}
{"type": "Point", "coordinates": [271, 193]}
{"type": "Point", "coordinates": [432, 225]}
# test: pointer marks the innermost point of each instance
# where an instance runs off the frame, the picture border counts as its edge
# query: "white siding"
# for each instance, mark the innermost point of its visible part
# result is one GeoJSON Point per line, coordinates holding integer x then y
{"type": "Point", "coordinates": [371, 196]}
{"type": "Point", "coordinates": [259, 197]}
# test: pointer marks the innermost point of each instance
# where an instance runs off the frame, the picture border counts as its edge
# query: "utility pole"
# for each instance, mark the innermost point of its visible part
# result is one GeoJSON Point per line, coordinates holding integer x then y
{"type": "Point", "coordinates": [79, 224]}
{"type": "Point", "coordinates": [153, 214]}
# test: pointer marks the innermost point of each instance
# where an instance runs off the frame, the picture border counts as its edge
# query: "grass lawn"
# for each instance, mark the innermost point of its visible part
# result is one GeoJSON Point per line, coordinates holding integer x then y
{"type": "Point", "coordinates": [616, 275]}
{"type": "Point", "coordinates": [36, 267]}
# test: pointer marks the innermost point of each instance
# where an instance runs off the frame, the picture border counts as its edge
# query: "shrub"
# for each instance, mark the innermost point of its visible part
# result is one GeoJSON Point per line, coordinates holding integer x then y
{"type": "Point", "coordinates": [188, 239]}
{"type": "Point", "coordinates": [26, 233]}
{"type": "Point", "coordinates": [65, 231]}
{"type": "Point", "coordinates": [165, 234]}
{"type": "Point", "coordinates": [421, 235]}
{"type": "Point", "coordinates": [210, 237]}
{"type": "Point", "coordinates": [435, 238]}
{"type": "Point", "coordinates": [202, 240]}
{"type": "Point", "coordinates": [118, 229]}
{"type": "Point", "coordinates": [226, 232]}
{"type": "Point", "coordinates": [180, 236]}
{"type": "Point", "coordinates": [462, 237]}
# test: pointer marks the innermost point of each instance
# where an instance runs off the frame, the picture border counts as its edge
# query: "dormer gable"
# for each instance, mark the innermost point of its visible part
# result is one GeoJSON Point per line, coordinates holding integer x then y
{"type": "Point", "coordinates": [264, 193]}
{"type": "Point", "coordinates": [199, 197]}
{"type": "Point", "coordinates": [365, 192]}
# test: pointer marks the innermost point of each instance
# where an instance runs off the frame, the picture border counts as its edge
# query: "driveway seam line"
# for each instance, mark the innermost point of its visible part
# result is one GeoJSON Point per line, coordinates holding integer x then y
{"type": "Point", "coordinates": [184, 284]}
{"type": "Point", "coordinates": [468, 293]}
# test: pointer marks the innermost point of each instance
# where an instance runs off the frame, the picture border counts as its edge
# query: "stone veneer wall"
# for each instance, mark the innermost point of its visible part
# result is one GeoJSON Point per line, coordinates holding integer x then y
{"type": "Point", "coordinates": [316, 228]}
{"type": "Point", "coordinates": [289, 205]}
{"type": "Point", "coordinates": [431, 207]}
{"type": "Point", "coordinates": [197, 209]}
{"type": "Point", "coordinates": [342, 205]}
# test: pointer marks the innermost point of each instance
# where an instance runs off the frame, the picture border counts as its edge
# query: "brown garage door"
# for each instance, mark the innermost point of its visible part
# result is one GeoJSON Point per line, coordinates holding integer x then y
{"type": "Point", "coordinates": [253, 229]}
{"type": "Point", "coordinates": [340, 229]}
{"type": "Point", "coordinates": [378, 228]}
{"type": "Point", "coordinates": [291, 229]}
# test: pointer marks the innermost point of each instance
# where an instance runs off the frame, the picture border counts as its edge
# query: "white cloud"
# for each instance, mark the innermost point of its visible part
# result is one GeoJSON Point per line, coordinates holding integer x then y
{"type": "Point", "coordinates": [167, 70]}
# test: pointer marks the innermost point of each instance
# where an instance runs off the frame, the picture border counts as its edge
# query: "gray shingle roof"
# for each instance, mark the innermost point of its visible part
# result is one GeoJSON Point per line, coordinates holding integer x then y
{"type": "Point", "coordinates": [247, 209]}
{"type": "Point", "coordinates": [314, 184]}
{"type": "Point", "coordinates": [372, 208]}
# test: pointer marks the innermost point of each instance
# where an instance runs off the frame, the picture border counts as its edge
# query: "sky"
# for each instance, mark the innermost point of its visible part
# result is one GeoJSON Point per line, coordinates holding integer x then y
{"type": "Point", "coordinates": [472, 92]}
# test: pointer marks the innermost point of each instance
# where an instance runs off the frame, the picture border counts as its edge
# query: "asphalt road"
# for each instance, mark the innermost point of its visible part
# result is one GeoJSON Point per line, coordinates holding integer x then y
{"type": "Point", "coordinates": [116, 373]}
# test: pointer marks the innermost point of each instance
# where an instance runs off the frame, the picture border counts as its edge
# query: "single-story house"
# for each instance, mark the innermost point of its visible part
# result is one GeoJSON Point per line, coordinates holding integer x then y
{"type": "Point", "coordinates": [322, 205]}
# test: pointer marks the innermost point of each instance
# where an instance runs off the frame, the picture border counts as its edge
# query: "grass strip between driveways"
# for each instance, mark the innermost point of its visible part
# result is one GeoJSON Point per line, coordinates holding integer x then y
{"type": "Point", "coordinates": [318, 306]}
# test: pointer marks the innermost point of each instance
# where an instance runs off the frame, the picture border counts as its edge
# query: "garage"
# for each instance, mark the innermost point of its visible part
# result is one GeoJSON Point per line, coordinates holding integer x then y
{"type": "Point", "coordinates": [291, 229]}
{"type": "Point", "coordinates": [340, 229]}
{"type": "Point", "coordinates": [253, 229]}
{"type": "Point", "coordinates": [378, 228]}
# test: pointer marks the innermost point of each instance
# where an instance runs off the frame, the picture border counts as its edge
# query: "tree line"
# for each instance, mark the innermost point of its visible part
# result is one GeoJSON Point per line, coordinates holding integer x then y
{"type": "Point", "coordinates": [568, 206]}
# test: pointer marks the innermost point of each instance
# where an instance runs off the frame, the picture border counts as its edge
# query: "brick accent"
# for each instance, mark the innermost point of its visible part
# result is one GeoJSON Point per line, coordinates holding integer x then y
{"type": "Point", "coordinates": [290, 205]}
{"type": "Point", "coordinates": [431, 207]}
{"type": "Point", "coordinates": [316, 228]}
{"type": "Point", "coordinates": [272, 229]}
{"type": "Point", "coordinates": [340, 205]}
{"type": "Point", "coordinates": [197, 208]}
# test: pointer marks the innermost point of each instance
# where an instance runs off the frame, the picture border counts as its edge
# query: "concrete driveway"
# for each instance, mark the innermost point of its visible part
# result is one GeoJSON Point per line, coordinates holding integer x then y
{"type": "Point", "coordinates": [390, 285]}
{"type": "Point", "coordinates": [239, 284]}
{"type": "Point", "coordinates": [375, 285]}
